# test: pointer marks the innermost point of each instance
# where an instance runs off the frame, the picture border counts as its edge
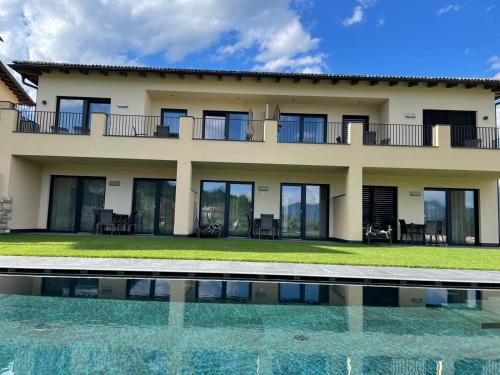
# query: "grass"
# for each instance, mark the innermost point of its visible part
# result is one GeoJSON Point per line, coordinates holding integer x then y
{"type": "Point", "coordinates": [248, 250]}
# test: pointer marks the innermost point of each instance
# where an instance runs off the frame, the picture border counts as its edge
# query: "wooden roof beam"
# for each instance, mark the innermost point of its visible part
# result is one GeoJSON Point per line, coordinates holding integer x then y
{"type": "Point", "coordinates": [393, 83]}
{"type": "Point", "coordinates": [354, 82]}
{"type": "Point", "coordinates": [450, 85]}
{"type": "Point", "coordinates": [374, 82]}
{"type": "Point", "coordinates": [412, 83]}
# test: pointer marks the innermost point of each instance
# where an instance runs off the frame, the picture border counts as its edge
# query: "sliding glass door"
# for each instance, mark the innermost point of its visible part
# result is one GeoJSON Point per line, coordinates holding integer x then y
{"type": "Point", "coordinates": [457, 210]}
{"type": "Point", "coordinates": [304, 211]}
{"type": "Point", "coordinates": [72, 202]}
{"type": "Point", "coordinates": [154, 201]}
{"type": "Point", "coordinates": [229, 204]}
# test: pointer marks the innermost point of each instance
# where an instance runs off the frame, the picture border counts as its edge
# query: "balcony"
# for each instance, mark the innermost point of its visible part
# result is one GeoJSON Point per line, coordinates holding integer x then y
{"type": "Point", "coordinates": [228, 129]}
{"type": "Point", "coordinates": [402, 135]}
{"type": "Point", "coordinates": [52, 123]}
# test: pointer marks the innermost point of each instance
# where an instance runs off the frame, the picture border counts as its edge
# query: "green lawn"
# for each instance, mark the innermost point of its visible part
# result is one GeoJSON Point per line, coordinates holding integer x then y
{"type": "Point", "coordinates": [248, 250]}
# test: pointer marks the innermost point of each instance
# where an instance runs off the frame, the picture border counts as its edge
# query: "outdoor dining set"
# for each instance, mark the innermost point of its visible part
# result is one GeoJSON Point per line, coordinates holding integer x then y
{"type": "Point", "coordinates": [430, 233]}
{"type": "Point", "coordinates": [107, 221]}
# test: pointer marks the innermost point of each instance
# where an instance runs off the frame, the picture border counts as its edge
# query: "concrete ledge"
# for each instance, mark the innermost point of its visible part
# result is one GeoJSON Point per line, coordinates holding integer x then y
{"type": "Point", "coordinates": [193, 269]}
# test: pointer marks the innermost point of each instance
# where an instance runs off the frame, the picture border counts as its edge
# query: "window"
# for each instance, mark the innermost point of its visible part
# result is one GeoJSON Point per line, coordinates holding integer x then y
{"type": "Point", "coordinates": [223, 290]}
{"type": "Point", "coordinates": [76, 112]}
{"type": "Point", "coordinates": [225, 125]}
{"type": "Point", "coordinates": [148, 289]}
{"type": "Point", "coordinates": [302, 128]}
{"type": "Point", "coordinates": [170, 118]}
{"type": "Point", "coordinates": [70, 287]}
{"type": "Point", "coordinates": [303, 293]}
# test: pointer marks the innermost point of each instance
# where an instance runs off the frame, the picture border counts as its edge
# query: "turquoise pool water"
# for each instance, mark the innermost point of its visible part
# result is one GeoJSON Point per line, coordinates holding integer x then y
{"type": "Point", "coordinates": [113, 326]}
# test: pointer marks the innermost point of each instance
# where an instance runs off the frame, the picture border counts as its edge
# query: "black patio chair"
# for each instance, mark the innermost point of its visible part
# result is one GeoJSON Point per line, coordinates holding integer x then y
{"type": "Point", "coordinates": [431, 232]}
{"type": "Point", "coordinates": [267, 225]}
{"type": "Point", "coordinates": [131, 222]}
{"type": "Point", "coordinates": [403, 231]}
{"type": "Point", "coordinates": [162, 132]}
{"type": "Point", "coordinates": [137, 134]}
{"type": "Point", "coordinates": [106, 221]}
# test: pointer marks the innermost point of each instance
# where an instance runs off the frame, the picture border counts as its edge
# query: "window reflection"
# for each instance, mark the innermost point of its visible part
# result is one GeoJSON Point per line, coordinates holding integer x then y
{"type": "Point", "coordinates": [148, 289]}
{"type": "Point", "coordinates": [303, 293]}
{"type": "Point", "coordinates": [223, 290]}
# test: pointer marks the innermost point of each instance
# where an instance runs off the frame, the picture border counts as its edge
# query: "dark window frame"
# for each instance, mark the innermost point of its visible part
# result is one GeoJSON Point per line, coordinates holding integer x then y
{"type": "Point", "coordinates": [156, 228]}
{"type": "Point", "coordinates": [79, 198]}
{"type": "Point", "coordinates": [171, 110]}
{"type": "Point", "coordinates": [226, 122]}
{"type": "Point", "coordinates": [303, 116]}
{"type": "Point", "coordinates": [72, 286]}
{"type": "Point", "coordinates": [87, 101]}
{"type": "Point", "coordinates": [303, 189]}
{"type": "Point", "coordinates": [227, 199]}
{"type": "Point", "coordinates": [448, 212]}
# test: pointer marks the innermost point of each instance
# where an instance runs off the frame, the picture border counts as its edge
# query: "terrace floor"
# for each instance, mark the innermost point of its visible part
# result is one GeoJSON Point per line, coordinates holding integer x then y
{"type": "Point", "coordinates": [242, 250]}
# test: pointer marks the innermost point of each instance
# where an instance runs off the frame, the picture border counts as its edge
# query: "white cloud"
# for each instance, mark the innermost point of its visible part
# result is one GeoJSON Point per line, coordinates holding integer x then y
{"type": "Point", "coordinates": [448, 9]}
{"type": "Point", "coordinates": [357, 17]}
{"type": "Point", "coordinates": [467, 52]}
{"type": "Point", "coordinates": [358, 13]}
{"type": "Point", "coordinates": [490, 8]}
{"type": "Point", "coordinates": [381, 21]}
{"type": "Point", "coordinates": [129, 31]}
{"type": "Point", "coordinates": [495, 62]}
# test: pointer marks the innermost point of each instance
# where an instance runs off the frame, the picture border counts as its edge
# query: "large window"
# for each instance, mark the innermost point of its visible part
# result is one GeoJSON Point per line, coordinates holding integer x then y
{"type": "Point", "coordinates": [70, 287]}
{"type": "Point", "coordinates": [229, 204]}
{"type": "Point", "coordinates": [457, 210]}
{"type": "Point", "coordinates": [170, 118]}
{"type": "Point", "coordinates": [74, 114]}
{"type": "Point", "coordinates": [225, 125]}
{"type": "Point", "coordinates": [302, 128]}
{"type": "Point", "coordinates": [73, 201]}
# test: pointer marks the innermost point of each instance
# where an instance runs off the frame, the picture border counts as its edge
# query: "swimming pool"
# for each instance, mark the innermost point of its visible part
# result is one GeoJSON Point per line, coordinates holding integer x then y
{"type": "Point", "coordinates": [51, 325]}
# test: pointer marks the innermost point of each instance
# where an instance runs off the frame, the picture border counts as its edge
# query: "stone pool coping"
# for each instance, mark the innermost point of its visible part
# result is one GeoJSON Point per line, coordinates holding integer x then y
{"type": "Point", "coordinates": [126, 267]}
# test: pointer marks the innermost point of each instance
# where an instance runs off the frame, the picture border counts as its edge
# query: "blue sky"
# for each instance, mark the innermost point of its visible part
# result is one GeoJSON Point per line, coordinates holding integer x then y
{"type": "Point", "coordinates": [393, 37]}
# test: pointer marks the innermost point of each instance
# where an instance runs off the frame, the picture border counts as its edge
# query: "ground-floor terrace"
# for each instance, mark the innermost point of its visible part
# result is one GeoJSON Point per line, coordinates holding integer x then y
{"type": "Point", "coordinates": [306, 202]}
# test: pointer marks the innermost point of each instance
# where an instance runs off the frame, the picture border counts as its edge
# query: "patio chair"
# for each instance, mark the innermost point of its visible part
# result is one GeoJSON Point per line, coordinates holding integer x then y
{"type": "Point", "coordinates": [378, 234]}
{"type": "Point", "coordinates": [385, 142]}
{"type": "Point", "coordinates": [338, 139]}
{"type": "Point", "coordinates": [404, 231]}
{"type": "Point", "coordinates": [137, 134]}
{"type": "Point", "coordinates": [97, 218]}
{"type": "Point", "coordinates": [131, 222]}
{"type": "Point", "coordinates": [267, 225]}
{"type": "Point", "coordinates": [106, 221]}
{"type": "Point", "coordinates": [210, 229]}
{"type": "Point", "coordinates": [431, 232]}
{"type": "Point", "coordinates": [162, 132]}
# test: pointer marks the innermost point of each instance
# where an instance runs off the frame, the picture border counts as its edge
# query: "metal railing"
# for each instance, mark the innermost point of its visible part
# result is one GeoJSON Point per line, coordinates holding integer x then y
{"type": "Point", "coordinates": [397, 135]}
{"type": "Point", "coordinates": [228, 129]}
{"type": "Point", "coordinates": [312, 132]}
{"type": "Point", "coordinates": [52, 123]}
{"type": "Point", "coordinates": [475, 137]}
{"type": "Point", "coordinates": [142, 126]}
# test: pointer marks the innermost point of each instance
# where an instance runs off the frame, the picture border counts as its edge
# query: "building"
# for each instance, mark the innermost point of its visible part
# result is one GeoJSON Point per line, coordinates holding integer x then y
{"type": "Point", "coordinates": [325, 154]}
{"type": "Point", "coordinates": [11, 90]}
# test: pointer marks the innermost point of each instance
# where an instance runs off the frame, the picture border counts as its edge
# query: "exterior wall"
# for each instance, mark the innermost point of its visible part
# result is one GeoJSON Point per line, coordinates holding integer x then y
{"type": "Point", "coordinates": [411, 208]}
{"type": "Point", "coordinates": [6, 94]}
{"type": "Point", "coordinates": [268, 202]}
{"type": "Point", "coordinates": [118, 198]}
{"type": "Point", "coordinates": [145, 95]}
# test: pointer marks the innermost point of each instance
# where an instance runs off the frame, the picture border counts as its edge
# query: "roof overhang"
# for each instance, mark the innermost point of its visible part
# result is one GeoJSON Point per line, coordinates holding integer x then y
{"type": "Point", "coordinates": [13, 85]}
{"type": "Point", "coordinates": [31, 70]}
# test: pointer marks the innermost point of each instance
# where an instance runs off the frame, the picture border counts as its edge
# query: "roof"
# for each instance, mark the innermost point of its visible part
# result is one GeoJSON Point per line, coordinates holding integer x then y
{"type": "Point", "coordinates": [33, 69]}
{"type": "Point", "coordinates": [14, 86]}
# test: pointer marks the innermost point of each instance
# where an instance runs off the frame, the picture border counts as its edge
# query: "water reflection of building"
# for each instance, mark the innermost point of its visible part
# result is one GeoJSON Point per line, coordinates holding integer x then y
{"type": "Point", "coordinates": [314, 313]}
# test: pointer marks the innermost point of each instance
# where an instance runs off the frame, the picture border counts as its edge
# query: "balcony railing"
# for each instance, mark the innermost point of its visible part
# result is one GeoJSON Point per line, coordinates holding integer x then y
{"type": "Point", "coordinates": [52, 123]}
{"type": "Point", "coordinates": [312, 132]}
{"type": "Point", "coordinates": [475, 137]}
{"type": "Point", "coordinates": [397, 135]}
{"type": "Point", "coordinates": [142, 126]}
{"type": "Point", "coordinates": [228, 129]}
